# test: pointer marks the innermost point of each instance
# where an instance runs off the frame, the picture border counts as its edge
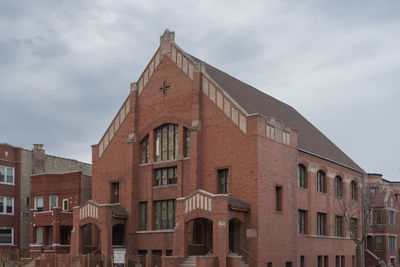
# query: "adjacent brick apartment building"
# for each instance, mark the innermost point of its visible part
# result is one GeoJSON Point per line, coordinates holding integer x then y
{"type": "Point", "coordinates": [383, 221]}
{"type": "Point", "coordinates": [197, 162]}
{"type": "Point", "coordinates": [16, 167]}
{"type": "Point", "coordinates": [53, 198]}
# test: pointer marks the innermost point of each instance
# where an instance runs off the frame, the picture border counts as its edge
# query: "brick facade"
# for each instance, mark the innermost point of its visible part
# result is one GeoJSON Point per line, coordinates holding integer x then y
{"type": "Point", "coordinates": [255, 217]}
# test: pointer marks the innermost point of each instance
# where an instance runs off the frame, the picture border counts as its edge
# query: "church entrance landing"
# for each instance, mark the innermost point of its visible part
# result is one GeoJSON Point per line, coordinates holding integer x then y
{"type": "Point", "coordinates": [211, 225]}
{"type": "Point", "coordinates": [97, 228]}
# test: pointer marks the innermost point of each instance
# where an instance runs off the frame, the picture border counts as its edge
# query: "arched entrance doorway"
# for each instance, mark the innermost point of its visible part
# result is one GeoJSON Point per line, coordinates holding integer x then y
{"type": "Point", "coordinates": [90, 239]}
{"type": "Point", "coordinates": [118, 235]}
{"type": "Point", "coordinates": [200, 241]}
{"type": "Point", "coordinates": [236, 235]}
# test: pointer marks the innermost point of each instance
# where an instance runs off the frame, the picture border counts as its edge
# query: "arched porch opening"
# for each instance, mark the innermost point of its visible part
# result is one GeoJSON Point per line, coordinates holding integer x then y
{"type": "Point", "coordinates": [90, 238]}
{"type": "Point", "coordinates": [118, 235]}
{"type": "Point", "coordinates": [236, 235]}
{"type": "Point", "coordinates": [200, 236]}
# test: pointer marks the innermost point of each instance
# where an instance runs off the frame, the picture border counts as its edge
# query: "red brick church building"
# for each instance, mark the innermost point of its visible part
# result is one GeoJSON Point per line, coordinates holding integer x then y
{"type": "Point", "coordinates": [197, 162]}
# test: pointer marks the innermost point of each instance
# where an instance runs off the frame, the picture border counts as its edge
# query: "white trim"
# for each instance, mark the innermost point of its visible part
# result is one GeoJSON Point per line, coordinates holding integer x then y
{"type": "Point", "coordinates": [5, 202]}
{"type": "Point", "coordinates": [63, 201]}
{"type": "Point", "coordinates": [5, 175]}
{"type": "Point", "coordinates": [51, 208]}
{"type": "Point", "coordinates": [35, 206]}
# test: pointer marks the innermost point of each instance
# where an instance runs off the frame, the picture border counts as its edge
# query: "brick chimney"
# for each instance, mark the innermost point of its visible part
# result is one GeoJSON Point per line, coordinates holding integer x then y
{"type": "Point", "coordinates": [38, 158]}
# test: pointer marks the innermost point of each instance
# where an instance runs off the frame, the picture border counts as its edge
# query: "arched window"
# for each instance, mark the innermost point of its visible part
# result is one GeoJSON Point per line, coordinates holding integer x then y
{"type": "Point", "coordinates": [338, 186]}
{"type": "Point", "coordinates": [166, 142]}
{"type": "Point", "coordinates": [353, 190]}
{"type": "Point", "coordinates": [321, 181]}
{"type": "Point", "coordinates": [302, 176]}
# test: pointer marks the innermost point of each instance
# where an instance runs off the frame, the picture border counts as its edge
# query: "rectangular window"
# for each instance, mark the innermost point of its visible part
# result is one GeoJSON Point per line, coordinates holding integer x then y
{"type": "Point", "coordinates": [39, 235]}
{"type": "Point", "coordinates": [278, 198]}
{"type": "Point", "coordinates": [6, 236]}
{"type": "Point", "coordinates": [27, 202]}
{"type": "Point", "coordinates": [339, 226]}
{"type": "Point", "coordinates": [392, 243]}
{"type": "Point", "coordinates": [301, 261]}
{"type": "Point", "coordinates": [353, 227]}
{"type": "Point", "coordinates": [167, 142]}
{"type": "Point", "coordinates": [115, 192]}
{"type": "Point", "coordinates": [378, 242]}
{"type": "Point", "coordinates": [326, 261]}
{"type": "Point", "coordinates": [321, 223]}
{"type": "Point", "coordinates": [53, 202]}
{"type": "Point", "coordinates": [165, 214]}
{"type": "Point", "coordinates": [337, 261]}
{"type": "Point", "coordinates": [6, 205]}
{"type": "Point", "coordinates": [143, 216]}
{"type": "Point", "coordinates": [223, 181]}
{"type": "Point", "coordinates": [269, 264]}
{"type": "Point", "coordinates": [319, 261]}
{"type": "Point", "coordinates": [288, 264]}
{"type": "Point", "coordinates": [166, 176]}
{"type": "Point", "coordinates": [391, 217]}
{"type": "Point", "coordinates": [65, 204]}
{"type": "Point", "coordinates": [187, 142]}
{"type": "Point", "coordinates": [321, 183]}
{"type": "Point", "coordinates": [6, 175]}
{"type": "Point", "coordinates": [39, 203]}
{"type": "Point", "coordinates": [301, 221]}
{"type": "Point", "coordinates": [343, 261]}
{"type": "Point", "coordinates": [372, 190]}
{"type": "Point", "coordinates": [144, 145]}
{"type": "Point", "coordinates": [353, 261]}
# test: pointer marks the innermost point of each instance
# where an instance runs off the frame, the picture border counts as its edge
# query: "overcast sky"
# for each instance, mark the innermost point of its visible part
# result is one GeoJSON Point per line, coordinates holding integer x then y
{"type": "Point", "coordinates": [66, 66]}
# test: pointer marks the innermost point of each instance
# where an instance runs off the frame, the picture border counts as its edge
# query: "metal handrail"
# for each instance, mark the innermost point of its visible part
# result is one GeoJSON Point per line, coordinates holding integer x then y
{"type": "Point", "coordinates": [248, 253]}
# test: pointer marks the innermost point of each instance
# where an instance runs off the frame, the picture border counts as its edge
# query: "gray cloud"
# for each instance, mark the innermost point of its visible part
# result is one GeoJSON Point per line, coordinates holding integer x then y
{"type": "Point", "coordinates": [66, 66]}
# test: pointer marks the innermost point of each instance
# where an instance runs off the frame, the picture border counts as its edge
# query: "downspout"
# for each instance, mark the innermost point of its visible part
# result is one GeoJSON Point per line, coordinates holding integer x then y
{"type": "Point", "coordinates": [363, 220]}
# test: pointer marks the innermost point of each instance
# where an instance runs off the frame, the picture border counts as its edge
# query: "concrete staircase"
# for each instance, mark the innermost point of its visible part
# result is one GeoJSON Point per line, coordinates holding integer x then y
{"type": "Point", "coordinates": [189, 262]}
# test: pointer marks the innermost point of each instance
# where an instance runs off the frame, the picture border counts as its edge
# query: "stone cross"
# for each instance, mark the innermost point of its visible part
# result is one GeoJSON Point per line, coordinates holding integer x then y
{"type": "Point", "coordinates": [164, 88]}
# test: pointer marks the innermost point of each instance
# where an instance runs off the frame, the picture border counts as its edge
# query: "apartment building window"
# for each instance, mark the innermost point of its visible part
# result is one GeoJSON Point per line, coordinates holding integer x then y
{"type": "Point", "coordinates": [339, 226]}
{"type": "Point", "coordinates": [115, 192]}
{"type": "Point", "coordinates": [302, 221]}
{"type": "Point", "coordinates": [353, 190]}
{"type": "Point", "coordinates": [392, 243]}
{"type": "Point", "coordinates": [301, 261]}
{"type": "Point", "coordinates": [39, 235]}
{"type": "Point", "coordinates": [223, 181]}
{"type": "Point", "coordinates": [144, 146]}
{"type": "Point", "coordinates": [338, 187]}
{"type": "Point", "coordinates": [378, 217]}
{"type": "Point", "coordinates": [6, 236]}
{"type": "Point", "coordinates": [321, 223]}
{"type": "Point", "coordinates": [165, 214]}
{"type": "Point", "coordinates": [378, 242]}
{"type": "Point", "coordinates": [186, 143]}
{"type": "Point", "coordinates": [391, 217]}
{"type": "Point", "coordinates": [301, 176]}
{"type": "Point", "coordinates": [372, 190]}
{"type": "Point", "coordinates": [337, 261]}
{"type": "Point", "coordinates": [6, 175]}
{"type": "Point", "coordinates": [53, 202]}
{"type": "Point", "coordinates": [166, 142]}
{"type": "Point", "coordinates": [143, 216]}
{"type": "Point", "coordinates": [65, 204]}
{"type": "Point", "coordinates": [353, 227]}
{"type": "Point", "coordinates": [343, 261]}
{"type": "Point", "coordinates": [278, 198]}
{"type": "Point", "coordinates": [166, 176]}
{"type": "Point", "coordinates": [38, 203]}
{"type": "Point", "coordinates": [321, 182]}
{"type": "Point", "coordinates": [6, 205]}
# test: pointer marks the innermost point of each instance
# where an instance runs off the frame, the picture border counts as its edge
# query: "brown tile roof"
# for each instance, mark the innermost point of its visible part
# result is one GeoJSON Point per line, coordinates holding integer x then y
{"type": "Point", "coordinates": [253, 101]}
